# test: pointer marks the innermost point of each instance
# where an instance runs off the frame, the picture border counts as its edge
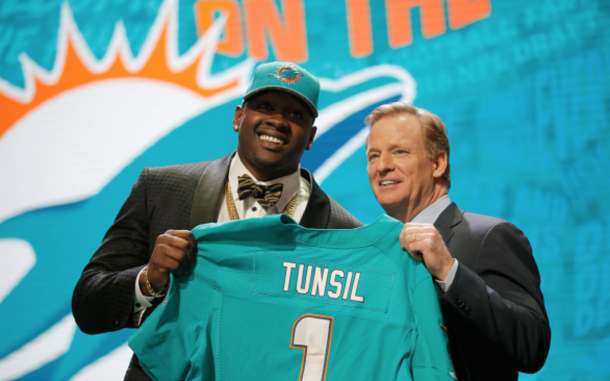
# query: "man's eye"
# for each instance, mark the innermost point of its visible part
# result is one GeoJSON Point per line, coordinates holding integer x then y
{"type": "Point", "coordinates": [264, 106]}
{"type": "Point", "coordinates": [373, 156]}
{"type": "Point", "coordinates": [296, 115]}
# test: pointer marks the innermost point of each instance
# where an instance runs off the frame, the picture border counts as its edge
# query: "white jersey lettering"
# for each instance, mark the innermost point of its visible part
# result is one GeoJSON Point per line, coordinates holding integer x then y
{"type": "Point", "coordinates": [338, 285]}
{"type": "Point", "coordinates": [289, 266]}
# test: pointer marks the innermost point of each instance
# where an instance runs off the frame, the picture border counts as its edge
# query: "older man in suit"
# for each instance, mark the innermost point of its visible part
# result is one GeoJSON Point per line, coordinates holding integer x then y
{"type": "Point", "coordinates": [487, 280]}
{"type": "Point", "coordinates": [150, 238]}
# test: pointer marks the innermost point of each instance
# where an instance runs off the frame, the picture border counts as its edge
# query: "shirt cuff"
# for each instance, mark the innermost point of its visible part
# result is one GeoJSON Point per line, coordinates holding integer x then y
{"type": "Point", "coordinates": [444, 285]}
{"type": "Point", "coordinates": [140, 301]}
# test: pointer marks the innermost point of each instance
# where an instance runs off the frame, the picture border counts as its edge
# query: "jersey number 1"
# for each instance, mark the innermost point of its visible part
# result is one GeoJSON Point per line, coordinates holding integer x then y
{"type": "Point", "coordinates": [312, 333]}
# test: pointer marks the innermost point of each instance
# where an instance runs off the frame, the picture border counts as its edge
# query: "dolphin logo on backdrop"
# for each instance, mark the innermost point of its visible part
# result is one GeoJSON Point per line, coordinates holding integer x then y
{"type": "Point", "coordinates": [87, 137]}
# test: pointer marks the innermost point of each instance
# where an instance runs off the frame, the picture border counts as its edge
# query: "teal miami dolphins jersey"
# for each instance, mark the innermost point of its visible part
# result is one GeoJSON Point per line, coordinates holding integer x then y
{"type": "Point", "coordinates": [268, 299]}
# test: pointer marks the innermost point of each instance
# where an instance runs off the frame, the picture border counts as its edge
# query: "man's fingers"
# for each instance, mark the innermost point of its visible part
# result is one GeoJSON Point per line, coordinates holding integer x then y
{"type": "Point", "coordinates": [417, 225]}
{"type": "Point", "coordinates": [171, 264]}
{"type": "Point", "coordinates": [413, 247]}
{"type": "Point", "coordinates": [192, 245]}
{"type": "Point", "coordinates": [175, 260]}
{"type": "Point", "coordinates": [179, 233]}
{"type": "Point", "coordinates": [173, 253]}
{"type": "Point", "coordinates": [427, 231]}
{"type": "Point", "coordinates": [418, 239]}
{"type": "Point", "coordinates": [408, 237]}
{"type": "Point", "coordinates": [425, 243]}
{"type": "Point", "coordinates": [184, 234]}
{"type": "Point", "coordinates": [184, 245]}
{"type": "Point", "coordinates": [183, 239]}
{"type": "Point", "coordinates": [174, 241]}
{"type": "Point", "coordinates": [417, 255]}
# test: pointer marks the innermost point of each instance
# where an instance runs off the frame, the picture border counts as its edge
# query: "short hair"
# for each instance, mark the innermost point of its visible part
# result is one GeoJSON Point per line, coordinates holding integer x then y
{"type": "Point", "coordinates": [434, 130]}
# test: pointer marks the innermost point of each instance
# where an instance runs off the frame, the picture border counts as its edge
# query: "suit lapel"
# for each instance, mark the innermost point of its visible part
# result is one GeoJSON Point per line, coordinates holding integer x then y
{"type": "Point", "coordinates": [450, 217]}
{"type": "Point", "coordinates": [317, 212]}
{"type": "Point", "coordinates": [208, 195]}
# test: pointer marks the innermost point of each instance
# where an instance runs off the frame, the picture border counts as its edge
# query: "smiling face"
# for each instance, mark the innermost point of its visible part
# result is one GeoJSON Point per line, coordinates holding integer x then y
{"type": "Point", "coordinates": [275, 128]}
{"type": "Point", "coordinates": [404, 179]}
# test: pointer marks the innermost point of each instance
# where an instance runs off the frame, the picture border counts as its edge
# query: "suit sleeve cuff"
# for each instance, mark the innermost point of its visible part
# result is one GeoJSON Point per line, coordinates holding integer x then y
{"type": "Point", "coordinates": [444, 285]}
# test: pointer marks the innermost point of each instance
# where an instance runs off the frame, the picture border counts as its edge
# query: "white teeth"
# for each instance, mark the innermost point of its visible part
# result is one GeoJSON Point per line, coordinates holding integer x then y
{"type": "Point", "coordinates": [388, 182]}
{"type": "Point", "coordinates": [271, 139]}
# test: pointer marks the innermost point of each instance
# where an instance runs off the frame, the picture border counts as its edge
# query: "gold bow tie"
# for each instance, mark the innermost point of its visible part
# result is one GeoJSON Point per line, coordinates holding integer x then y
{"type": "Point", "coordinates": [265, 195]}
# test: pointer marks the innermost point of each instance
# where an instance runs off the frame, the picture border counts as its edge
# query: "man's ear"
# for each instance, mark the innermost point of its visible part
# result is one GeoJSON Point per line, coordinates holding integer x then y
{"type": "Point", "coordinates": [440, 164]}
{"type": "Point", "coordinates": [312, 135]}
{"type": "Point", "coordinates": [237, 117]}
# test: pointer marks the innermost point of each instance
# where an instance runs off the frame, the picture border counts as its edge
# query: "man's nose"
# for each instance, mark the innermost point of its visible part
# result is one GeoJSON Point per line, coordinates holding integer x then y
{"type": "Point", "coordinates": [278, 120]}
{"type": "Point", "coordinates": [386, 163]}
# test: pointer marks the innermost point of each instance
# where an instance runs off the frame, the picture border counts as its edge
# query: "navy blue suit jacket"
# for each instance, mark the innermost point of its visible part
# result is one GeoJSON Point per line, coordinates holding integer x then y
{"type": "Point", "coordinates": [494, 309]}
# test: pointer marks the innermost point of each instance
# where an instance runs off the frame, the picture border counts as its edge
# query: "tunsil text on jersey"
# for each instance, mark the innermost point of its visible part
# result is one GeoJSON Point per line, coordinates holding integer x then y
{"type": "Point", "coordinates": [323, 282]}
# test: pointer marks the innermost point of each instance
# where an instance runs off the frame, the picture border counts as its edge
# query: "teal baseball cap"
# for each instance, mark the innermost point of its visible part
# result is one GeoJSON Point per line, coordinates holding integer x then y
{"type": "Point", "coordinates": [288, 77]}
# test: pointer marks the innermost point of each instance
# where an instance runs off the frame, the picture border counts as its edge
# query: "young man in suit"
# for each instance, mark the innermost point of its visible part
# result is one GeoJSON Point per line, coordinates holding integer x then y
{"type": "Point", "coordinates": [150, 238]}
{"type": "Point", "coordinates": [487, 280]}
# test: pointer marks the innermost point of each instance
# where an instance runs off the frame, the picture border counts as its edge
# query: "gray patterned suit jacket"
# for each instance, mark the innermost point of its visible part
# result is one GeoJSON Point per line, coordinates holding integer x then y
{"type": "Point", "coordinates": [174, 197]}
{"type": "Point", "coordinates": [494, 309]}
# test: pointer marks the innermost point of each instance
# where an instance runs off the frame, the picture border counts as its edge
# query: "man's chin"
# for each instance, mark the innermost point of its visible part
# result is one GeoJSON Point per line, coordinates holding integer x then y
{"type": "Point", "coordinates": [274, 165]}
{"type": "Point", "coordinates": [268, 163]}
{"type": "Point", "coordinates": [394, 209]}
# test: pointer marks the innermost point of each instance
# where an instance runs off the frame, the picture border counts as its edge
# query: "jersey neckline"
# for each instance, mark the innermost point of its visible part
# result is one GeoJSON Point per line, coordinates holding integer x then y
{"type": "Point", "coordinates": [282, 223]}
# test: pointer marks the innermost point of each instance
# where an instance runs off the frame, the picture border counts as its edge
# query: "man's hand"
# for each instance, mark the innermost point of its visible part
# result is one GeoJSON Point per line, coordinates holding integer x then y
{"type": "Point", "coordinates": [425, 243]}
{"type": "Point", "coordinates": [173, 252]}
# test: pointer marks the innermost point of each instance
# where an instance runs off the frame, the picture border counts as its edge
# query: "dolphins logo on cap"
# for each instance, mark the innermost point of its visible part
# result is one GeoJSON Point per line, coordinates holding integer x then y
{"type": "Point", "coordinates": [287, 74]}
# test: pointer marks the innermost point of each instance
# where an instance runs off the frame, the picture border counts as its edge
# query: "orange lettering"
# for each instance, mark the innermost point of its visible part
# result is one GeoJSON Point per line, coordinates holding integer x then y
{"type": "Point", "coordinates": [464, 12]}
{"type": "Point", "coordinates": [398, 13]}
{"type": "Point", "coordinates": [231, 43]}
{"type": "Point", "coordinates": [359, 27]}
{"type": "Point", "coordinates": [288, 38]}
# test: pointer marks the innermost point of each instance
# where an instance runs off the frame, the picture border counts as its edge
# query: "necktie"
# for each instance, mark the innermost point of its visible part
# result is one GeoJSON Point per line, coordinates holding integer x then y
{"type": "Point", "coordinates": [265, 195]}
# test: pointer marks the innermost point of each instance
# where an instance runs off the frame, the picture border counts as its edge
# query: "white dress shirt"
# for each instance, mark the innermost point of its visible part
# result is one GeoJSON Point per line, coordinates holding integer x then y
{"type": "Point", "coordinates": [294, 185]}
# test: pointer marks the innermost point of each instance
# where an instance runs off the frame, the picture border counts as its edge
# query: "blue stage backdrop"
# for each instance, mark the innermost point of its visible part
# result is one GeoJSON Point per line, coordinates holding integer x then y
{"type": "Point", "coordinates": [91, 91]}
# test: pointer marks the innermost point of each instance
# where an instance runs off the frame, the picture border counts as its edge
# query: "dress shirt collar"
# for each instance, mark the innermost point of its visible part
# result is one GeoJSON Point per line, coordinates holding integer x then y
{"type": "Point", "coordinates": [291, 182]}
{"type": "Point", "coordinates": [431, 213]}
